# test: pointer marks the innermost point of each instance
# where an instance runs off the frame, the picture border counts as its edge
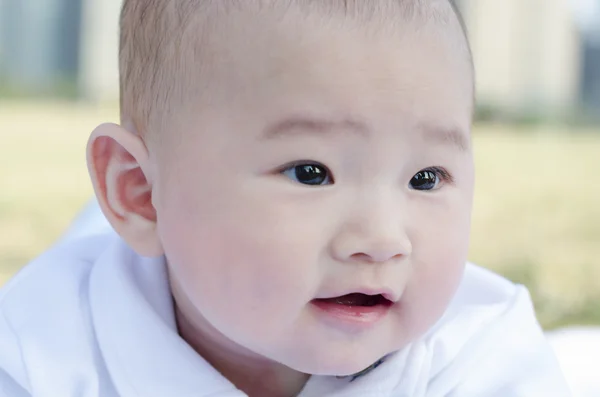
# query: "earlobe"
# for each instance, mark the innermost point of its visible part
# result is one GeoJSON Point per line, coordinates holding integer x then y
{"type": "Point", "coordinates": [121, 173]}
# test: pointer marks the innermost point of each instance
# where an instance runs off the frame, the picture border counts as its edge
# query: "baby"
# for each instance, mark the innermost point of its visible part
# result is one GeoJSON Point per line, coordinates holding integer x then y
{"type": "Point", "coordinates": [289, 194]}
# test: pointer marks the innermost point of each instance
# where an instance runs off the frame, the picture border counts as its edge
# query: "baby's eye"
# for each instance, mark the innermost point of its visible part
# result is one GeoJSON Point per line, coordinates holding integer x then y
{"type": "Point", "coordinates": [308, 174]}
{"type": "Point", "coordinates": [428, 179]}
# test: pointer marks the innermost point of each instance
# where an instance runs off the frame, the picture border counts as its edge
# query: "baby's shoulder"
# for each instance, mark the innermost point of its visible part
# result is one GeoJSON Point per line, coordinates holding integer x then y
{"type": "Point", "coordinates": [480, 286]}
{"type": "Point", "coordinates": [483, 300]}
{"type": "Point", "coordinates": [489, 342]}
{"type": "Point", "coordinates": [45, 318]}
{"type": "Point", "coordinates": [57, 275]}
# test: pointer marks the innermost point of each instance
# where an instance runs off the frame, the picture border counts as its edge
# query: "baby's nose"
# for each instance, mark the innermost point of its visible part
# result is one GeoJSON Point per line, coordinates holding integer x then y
{"type": "Point", "coordinates": [372, 242]}
{"type": "Point", "coordinates": [375, 229]}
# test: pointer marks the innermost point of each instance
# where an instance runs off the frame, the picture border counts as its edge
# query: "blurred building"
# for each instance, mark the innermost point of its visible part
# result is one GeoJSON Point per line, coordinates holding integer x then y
{"type": "Point", "coordinates": [99, 76]}
{"type": "Point", "coordinates": [38, 43]}
{"type": "Point", "coordinates": [60, 47]}
{"type": "Point", "coordinates": [537, 55]}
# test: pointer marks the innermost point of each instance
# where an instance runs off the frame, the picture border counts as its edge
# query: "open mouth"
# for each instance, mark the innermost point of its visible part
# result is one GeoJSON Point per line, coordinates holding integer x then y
{"type": "Point", "coordinates": [353, 312]}
{"type": "Point", "coordinates": [358, 299]}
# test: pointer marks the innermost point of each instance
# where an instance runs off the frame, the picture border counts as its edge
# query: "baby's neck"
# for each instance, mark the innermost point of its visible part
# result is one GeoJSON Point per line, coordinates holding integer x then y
{"type": "Point", "coordinates": [267, 381]}
{"type": "Point", "coordinates": [252, 374]}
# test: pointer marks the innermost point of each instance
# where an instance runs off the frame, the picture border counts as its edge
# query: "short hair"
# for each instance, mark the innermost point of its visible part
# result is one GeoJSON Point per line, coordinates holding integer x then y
{"type": "Point", "coordinates": [154, 60]}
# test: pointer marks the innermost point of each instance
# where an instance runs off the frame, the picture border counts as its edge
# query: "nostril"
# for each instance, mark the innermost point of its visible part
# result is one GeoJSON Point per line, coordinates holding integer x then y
{"type": "Point", "coordinates": [361, 257]}
{"type": "Point", "coordinates": [375, 257]}
{"type": "Point", "coordinates": [370, 248]}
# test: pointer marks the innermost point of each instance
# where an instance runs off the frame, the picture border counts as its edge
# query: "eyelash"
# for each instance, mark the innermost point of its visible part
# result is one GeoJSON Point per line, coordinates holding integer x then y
{"type": "Point", "coordinates": [440, 172]}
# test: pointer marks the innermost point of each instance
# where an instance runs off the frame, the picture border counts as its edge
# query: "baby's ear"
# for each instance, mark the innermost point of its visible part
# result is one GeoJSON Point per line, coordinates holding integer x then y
{"type": "Point", "coordinates": [119, 166]}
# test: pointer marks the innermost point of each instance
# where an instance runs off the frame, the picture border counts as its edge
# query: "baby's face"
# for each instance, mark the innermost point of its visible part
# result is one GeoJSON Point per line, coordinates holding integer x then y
{"type": "Point", "coordinates": [333, 165]}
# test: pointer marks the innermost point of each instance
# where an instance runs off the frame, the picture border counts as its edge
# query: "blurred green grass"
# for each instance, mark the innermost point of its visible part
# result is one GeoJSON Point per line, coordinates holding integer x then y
{"type": "Point", "coordinates": [536, 217]}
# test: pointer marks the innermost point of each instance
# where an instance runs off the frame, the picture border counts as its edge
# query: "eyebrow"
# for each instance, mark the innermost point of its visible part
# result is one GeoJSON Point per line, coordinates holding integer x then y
{"type": "Point", "coordinates": [445, 136]}
{"type": "Point", "coordinates": [299, 125]}
{"type": "Point", "coordinates": [309, 125]}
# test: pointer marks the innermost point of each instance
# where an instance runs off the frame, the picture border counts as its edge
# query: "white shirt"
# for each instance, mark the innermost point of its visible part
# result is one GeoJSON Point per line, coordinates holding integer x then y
{"type": "Point", "coordinates": [91, 318]}
{"type": "Point", "coordinates": [578, 351]}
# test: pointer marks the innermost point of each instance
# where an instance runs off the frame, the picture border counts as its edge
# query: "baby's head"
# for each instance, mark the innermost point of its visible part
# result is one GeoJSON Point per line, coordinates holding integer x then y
{"type": "Point", "coordinates": [281, 152]}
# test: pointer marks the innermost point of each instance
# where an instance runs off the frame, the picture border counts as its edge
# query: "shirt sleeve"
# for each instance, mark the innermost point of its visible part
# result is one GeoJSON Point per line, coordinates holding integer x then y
{"type": "Point", "coordinates": [13, 376]}
{"type": "Point", "coordinates": [508, 357]}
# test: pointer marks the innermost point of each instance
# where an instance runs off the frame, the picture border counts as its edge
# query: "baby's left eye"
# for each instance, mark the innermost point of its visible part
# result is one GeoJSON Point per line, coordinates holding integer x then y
{"type": "Point", "coordinates": [310, 173]}
{"type": "Point", "coordinates": [428, 179]}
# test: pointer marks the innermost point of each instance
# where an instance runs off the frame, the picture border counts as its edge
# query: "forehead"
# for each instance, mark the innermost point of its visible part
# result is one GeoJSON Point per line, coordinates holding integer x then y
{"type": "Point", "coordinates": [413, 74]}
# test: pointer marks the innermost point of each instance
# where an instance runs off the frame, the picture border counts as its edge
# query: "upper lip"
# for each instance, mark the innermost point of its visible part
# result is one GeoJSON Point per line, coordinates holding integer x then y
{"type": "Point", "coordinates": [387, 293]}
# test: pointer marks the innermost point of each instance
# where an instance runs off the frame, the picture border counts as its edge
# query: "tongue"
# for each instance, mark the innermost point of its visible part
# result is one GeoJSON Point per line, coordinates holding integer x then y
{"type": "Point", "coordinates": [356, 300]}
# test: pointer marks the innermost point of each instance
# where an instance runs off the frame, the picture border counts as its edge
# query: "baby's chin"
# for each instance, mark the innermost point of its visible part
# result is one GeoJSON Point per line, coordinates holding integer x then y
{"type": "Point", "coordinates": [332, 363]}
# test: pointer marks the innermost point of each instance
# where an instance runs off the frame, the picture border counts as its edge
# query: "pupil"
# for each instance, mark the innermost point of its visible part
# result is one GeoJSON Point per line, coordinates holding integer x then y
{"type": "Point", "coordinates": [310, 174]}
{"type": "Point", "coordinates": [424, 180]}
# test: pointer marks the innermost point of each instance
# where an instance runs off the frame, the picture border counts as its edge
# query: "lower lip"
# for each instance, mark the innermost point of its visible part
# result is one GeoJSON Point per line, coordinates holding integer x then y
{"type": "Point", "coordinates": [361, 316]}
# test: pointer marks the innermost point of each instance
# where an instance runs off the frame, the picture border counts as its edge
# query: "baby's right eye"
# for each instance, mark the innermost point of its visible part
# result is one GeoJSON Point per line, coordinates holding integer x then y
{"type": "Point", "coordinates": [313, 174]}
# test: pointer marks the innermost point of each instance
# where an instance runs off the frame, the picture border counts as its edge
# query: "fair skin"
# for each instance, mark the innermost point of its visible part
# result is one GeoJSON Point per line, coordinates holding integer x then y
{"type": "Point", "coordinates": [250, 244]}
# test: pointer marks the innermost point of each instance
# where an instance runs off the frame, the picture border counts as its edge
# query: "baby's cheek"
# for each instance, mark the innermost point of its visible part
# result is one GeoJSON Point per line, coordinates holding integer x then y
{"type": "Point", "coordinates": [276, 272]}
{"type": "Point", "coordinates": [248, 271]}
{"type": "Point", "coordinates": [425, 300]}
{"type": "Point", "coordinates": [435, 278]}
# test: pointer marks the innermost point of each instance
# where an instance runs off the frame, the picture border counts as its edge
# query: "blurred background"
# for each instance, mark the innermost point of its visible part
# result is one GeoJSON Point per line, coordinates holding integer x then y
{"type": "Point", "coordinates": [536, 136]}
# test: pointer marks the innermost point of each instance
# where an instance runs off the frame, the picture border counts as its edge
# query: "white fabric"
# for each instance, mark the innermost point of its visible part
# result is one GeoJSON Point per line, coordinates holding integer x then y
{"type": "Point", "coordinates": [90, 318]}
{"type": "Point", "coordinates": [578, 351]}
